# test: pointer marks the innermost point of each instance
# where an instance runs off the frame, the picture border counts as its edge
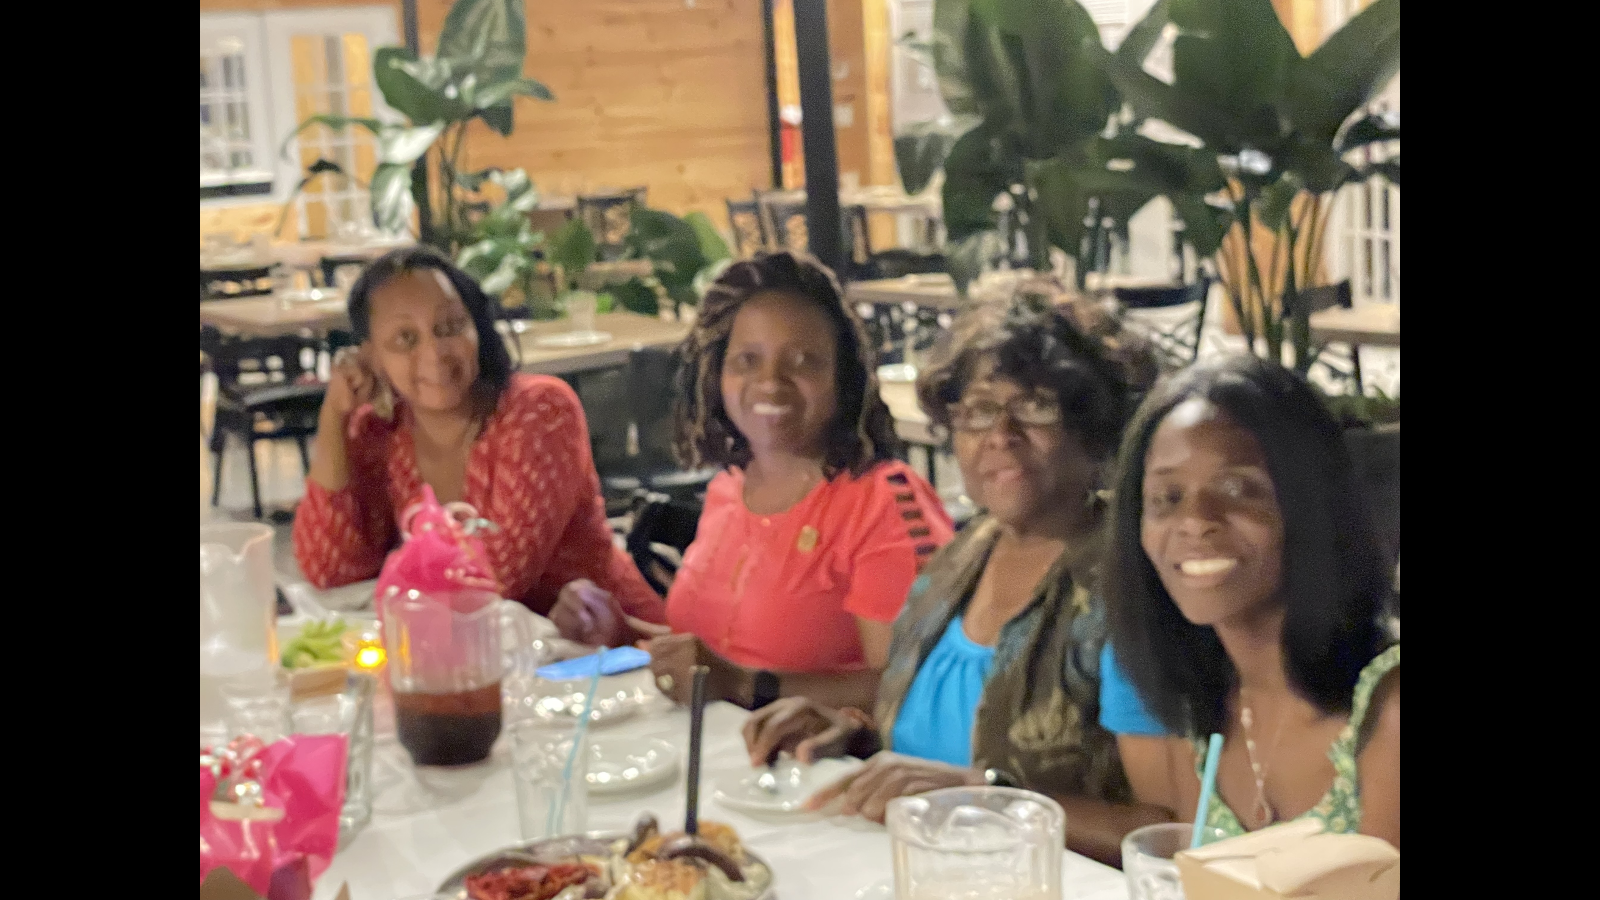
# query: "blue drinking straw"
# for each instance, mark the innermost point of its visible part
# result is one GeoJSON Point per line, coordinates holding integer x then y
{"type": "Point", "coordinates": [559, 808]}
{"type": "Point", "coordinates": [1207, 785]}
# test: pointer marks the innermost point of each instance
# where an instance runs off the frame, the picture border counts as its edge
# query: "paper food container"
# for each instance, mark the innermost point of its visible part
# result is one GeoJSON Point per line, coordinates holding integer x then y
{"type": "Point", "coordinates": [1293, 860]}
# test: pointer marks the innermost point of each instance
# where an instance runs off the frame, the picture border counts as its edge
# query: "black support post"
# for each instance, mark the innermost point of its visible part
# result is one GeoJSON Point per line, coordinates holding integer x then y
{"type": "Point", "coordinates": [816, 111]}
{"type": "Point", "coordinates": [419, 174]}
{"type": "Point", "coordinates": [774, 126]}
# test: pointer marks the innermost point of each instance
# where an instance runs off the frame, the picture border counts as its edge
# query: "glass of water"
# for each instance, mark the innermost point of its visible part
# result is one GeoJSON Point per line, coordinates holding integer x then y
{"type": "Point", "coordinates": [1147, 858]}
{"type": "Point", "coordinates": [347, 712]}
{"type": "Point", "coordinates": [984, 843]}
{"type": "Point", "coordinates": [549, 763]}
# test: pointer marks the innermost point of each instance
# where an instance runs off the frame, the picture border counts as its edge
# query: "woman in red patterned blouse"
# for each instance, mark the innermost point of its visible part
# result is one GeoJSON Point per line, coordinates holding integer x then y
{"type": "Point", "coordinates": [431, 398]}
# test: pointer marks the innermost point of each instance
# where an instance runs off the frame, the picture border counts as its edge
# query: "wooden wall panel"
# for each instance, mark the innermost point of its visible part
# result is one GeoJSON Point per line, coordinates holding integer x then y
{"type": "Point", "coordinates": [648, 92]}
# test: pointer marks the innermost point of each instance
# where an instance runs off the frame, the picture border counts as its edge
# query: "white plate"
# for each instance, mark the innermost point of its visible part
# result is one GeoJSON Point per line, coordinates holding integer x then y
{"type": "Point", "coordinates": [530, 697]}
{"type": "Point", "coordinates": [572, 339]}
{"type": "Point", "coordinates": [796, 783]}
{"type": "Point", "coordinates": [619, 764]}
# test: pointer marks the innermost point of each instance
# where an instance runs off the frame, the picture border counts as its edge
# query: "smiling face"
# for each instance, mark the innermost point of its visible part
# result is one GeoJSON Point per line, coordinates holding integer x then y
{"type": "Point", "coordinates": [1022, 474]}
{"type": "Point", "coordinates": [1211, 524]}
{"type": "Point", "coordinates": [779, 374]}
{"type": "Point", "coordinates": [424, 341]}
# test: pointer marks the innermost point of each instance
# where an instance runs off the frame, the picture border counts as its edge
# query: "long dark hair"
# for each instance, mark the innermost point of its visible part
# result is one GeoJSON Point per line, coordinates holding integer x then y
{"type": "Point", "coordinates": [862, 431]}
{"type": "Point", "coordinates": [1336, 579]}
{"type": "Point", "coordinates": [494, 362]}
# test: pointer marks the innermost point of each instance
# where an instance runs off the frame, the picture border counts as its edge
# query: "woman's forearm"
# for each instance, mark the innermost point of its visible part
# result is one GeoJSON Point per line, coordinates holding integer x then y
{"type": "Point", "coordinates": [857, 689]}
{"type": "Point", "coordinates": [1096, 828]}
{"type": "Point", "coordinates": [330, 459]}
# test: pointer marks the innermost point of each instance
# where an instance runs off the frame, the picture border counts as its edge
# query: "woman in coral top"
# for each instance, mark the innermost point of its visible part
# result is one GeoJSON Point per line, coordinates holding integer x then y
{"type": "Point", "coordinates": [813, 533]}
{"type": "Point", "coordinates": [431, 398]}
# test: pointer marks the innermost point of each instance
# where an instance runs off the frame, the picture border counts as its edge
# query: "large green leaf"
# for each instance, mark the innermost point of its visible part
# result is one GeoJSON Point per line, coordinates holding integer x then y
{"type": "Point", "coordinates": [1145, 34]}
{"type": "Point", "coordinates": [481, 258]}
{"type": "Point", "coordinates": [1064, 91]}
{"type": "Point", "coordinates": [1235, 57]}
{"type": "Point", "coordinates": [402, 146]}
{"type": "Point", "coordinates": [337, 123]}
{"type": "Point", "coordinates": [493, 31]}
{"type": "Point", "coordinates": [1347, 71]}
{"type": "Point", "coordinates": [1368, 130]}
{"type": "Point", "coordinates": [1274, 203]}
{"type": "Point", "coordinates": [501, 91]}
{"type": "Point", "coordinates": [636, 296]}
{"type": "Point", "coordinates": [919, 151]}
{"type": "Point", "coordinates": [995, 82]}
{"type": "Point", "coordinates": [415, 88]}
{"type": "Point", "coordinates": [1060, 200]}
{"type": "Point", "coordinates": [1204, 224]}
{"type": "Point", "coordinates": [573, 248]}
{"type": "Point", "coordinates": [948, 49]}
{"type": "Point", "coordinates": [391, 196]}
{"type": "Point", "coordinates": [671, 244]}
{"type": "Point", "coordinates": [504, 275]}
{"type": "Point", "coordinates": [982, 165]}
{"type": "Point", "coordinates": [712, 247]}
{"type": "Point", "coordinates": [1152, 98]}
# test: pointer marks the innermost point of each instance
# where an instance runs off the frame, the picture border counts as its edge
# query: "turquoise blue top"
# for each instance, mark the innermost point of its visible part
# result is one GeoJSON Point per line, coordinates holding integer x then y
{"type": "Point", "coordinates": [935, 720]}
{"type": "Point", "coordinates": [1121, 711]}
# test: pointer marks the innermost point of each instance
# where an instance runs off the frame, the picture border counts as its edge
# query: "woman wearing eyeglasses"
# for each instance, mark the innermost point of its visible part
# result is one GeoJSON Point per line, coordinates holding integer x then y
{"type": "Point", "coordinates": [993, 672]}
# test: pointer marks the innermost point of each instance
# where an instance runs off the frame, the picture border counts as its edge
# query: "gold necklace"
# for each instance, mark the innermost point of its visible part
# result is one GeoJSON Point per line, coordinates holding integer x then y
{"type": "Point", "coordinates": [1263, 811]}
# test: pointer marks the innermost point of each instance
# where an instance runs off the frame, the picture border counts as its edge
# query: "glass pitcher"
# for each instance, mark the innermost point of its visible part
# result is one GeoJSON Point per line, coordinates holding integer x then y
{"type": "Point", "coordinates": [445, 666]}
{"type": "Point", "coordinates": [238, 610]}
{"type": "Point", "coordinates": [986, 843]}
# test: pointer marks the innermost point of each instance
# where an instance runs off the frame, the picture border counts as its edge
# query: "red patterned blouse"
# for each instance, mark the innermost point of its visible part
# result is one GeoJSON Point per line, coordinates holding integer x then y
{"type": "Point", "coordinates": [530, 472]}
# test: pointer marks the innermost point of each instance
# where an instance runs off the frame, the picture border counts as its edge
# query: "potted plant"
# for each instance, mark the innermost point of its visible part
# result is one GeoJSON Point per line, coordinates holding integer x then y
{"type": "Point", "coordinates": [1273, 130]}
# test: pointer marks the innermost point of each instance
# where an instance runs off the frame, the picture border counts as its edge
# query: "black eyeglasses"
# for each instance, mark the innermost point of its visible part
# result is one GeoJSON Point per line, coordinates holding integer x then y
{"type": "Point", "coordinates": [982, 415]}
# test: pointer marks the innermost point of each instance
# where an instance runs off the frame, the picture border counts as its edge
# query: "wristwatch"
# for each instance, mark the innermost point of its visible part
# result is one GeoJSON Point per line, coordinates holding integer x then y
{"type": "Point", "coordinates": [998, 778]}
{"type": "Point", "coordinates": [764, 690]}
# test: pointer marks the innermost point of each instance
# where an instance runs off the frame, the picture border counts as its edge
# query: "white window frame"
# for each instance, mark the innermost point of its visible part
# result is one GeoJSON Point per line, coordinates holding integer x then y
{"type": "Point", "coordinates": [270, 78]}
{"type": "Point", "coordinates": [247, 30]}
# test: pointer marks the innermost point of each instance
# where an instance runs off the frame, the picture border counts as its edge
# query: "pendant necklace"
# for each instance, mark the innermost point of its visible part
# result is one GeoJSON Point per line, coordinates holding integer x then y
{"type": "Point", "coordinates": [1262, 812]}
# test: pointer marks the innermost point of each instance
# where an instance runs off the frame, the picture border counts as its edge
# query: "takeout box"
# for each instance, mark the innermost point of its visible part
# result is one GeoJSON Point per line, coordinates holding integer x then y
{"type": "Point", "coordinates": [1293, 860]}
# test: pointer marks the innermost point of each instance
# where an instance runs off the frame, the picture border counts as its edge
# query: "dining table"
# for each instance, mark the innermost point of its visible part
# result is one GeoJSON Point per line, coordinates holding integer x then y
{"type": "Point", "coordinates": [429, 822]}
{"type": "Point", "coordinates": [624, 331]}
{"type": "Point", "coordinates": [319, 311]}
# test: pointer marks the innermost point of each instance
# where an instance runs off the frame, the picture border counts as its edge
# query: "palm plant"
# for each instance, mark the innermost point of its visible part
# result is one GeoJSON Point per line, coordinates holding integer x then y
{"type": "Point", "coordinates": [1275, 130]}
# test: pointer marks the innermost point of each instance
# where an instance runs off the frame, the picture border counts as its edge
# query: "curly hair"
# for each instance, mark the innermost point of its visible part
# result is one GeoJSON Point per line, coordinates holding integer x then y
{"type": "Point", "coordinates": [1036, 348]}
{"type": "Point", "coordinates": [861, 433]}
{"type": "Point", "coordinates": [494, 361]}
{"type": "Point", "coordinates": [1336, 577]}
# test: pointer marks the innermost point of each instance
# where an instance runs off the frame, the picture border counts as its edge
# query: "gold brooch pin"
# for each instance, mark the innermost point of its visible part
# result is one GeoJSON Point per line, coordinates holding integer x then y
{"type": "Point", "coordinates": [808, 539]}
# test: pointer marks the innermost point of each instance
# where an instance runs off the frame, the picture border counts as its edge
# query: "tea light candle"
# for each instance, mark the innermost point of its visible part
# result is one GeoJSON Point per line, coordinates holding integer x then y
{"type": "Point", "coordinates": [366, 650]}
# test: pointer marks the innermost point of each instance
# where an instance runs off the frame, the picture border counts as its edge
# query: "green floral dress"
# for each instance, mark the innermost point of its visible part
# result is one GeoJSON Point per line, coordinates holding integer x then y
{"type": "Point", "coordinates": [1340, 808]}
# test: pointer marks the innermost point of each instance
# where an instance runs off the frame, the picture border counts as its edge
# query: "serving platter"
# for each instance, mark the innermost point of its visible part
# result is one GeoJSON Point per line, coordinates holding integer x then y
{"type": "Point", "coordinates": [554, 850]}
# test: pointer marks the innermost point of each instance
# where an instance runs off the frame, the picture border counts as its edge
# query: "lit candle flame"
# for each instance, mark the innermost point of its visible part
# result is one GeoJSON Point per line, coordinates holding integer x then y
{"type": "Point", "coordinates": [370, 656]}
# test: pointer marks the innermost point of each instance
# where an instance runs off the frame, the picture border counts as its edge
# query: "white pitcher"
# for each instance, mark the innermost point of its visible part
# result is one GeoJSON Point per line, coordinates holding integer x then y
{"type": "Point", "coordinates": [238, 610]}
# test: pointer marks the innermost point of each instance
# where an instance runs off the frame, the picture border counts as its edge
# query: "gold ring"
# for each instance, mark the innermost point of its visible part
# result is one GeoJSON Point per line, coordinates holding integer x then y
{"type": "Point", "coordinates": [664, 682]}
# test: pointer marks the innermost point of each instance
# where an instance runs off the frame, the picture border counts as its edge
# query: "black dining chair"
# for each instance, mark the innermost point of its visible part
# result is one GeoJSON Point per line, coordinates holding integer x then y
{"type": "Point", "coordinates": [330, 266]}
{"type": "Point", "coordinates": [609, 216]}
{"type": "Point", "coordinates": [748, 226]}
{"type": "Point", "coordinates": [661, 523]}
{"type": "Point", "coordinates": [265, 391]}
{"type": "Point", "coordinates": [222, 284]}
{"type": "Point", "coordinates": [1175, 331]}
{"type": "Point", "coordinates": [1342, 365]}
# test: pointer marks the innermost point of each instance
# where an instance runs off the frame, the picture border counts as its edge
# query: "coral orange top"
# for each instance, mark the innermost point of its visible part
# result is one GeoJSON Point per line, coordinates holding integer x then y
{"type": "Point", "coordinates": [783, 591]}
{"type": "Point", "coordinates": [529, 472]}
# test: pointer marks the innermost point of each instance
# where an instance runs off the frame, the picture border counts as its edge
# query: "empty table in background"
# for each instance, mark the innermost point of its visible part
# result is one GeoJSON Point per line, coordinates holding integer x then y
{"type": "Point", "coordinates": [274, 316]}
{"type": "Point", "coordinates": [628, 331]}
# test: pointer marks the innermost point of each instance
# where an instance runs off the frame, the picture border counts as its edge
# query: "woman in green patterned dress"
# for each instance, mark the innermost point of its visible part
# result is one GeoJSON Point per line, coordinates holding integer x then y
{"type": "Point", "coordinates": [1247, 596]}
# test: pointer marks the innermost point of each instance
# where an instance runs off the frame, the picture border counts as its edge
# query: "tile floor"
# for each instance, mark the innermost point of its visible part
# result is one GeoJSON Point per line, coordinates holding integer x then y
{"type": "Point", "coordinates": [282, 482]}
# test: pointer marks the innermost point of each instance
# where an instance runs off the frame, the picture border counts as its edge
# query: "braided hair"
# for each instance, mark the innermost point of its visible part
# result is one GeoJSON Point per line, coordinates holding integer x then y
{"type": "Point", "coordinates": [862, 431]}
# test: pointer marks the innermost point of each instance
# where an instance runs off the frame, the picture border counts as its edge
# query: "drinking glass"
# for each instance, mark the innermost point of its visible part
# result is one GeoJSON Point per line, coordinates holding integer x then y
{"type": "Point", "coordinates": [1147, 858]}
{"type": "Point", "coordinates": [549, 763]}
{"type": "Point", "coordinates": [581, 310]}
{"type": "Point", "coordinates": [986, 843]}
{"type": "Point", "coordinates": [349, 713]}
{"type": "Point", "coordinates": [257, 705]}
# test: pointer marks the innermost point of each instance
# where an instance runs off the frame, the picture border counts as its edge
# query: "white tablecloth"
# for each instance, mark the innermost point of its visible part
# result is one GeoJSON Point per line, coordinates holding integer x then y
{"type": "Point", "coordinates": [473, 812]}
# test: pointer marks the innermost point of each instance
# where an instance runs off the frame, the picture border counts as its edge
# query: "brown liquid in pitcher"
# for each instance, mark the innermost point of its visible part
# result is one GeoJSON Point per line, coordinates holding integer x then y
{"type": "Point", "coordinates": [448, 729]}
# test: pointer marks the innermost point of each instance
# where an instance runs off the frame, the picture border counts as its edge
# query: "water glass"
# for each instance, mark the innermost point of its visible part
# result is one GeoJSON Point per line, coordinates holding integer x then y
{"type": "Point", "coordinates": [349, 713]}
{"type": "Point", "coordinates": [986, 843]}
{"type": "Point", "coordinates": [1147, 858]}
{"type": "Point", "coordinates": [581, 310]}
{"type": "Point", "coordinates": [549, 763]}
{"type": "Point", "coordinates": [257, 705]}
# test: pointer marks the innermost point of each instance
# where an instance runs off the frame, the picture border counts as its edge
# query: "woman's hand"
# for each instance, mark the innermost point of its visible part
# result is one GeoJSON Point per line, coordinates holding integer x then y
{"type": "Point", "coordinates": [586, 613]}
{"type": "Point", "coordinates": [867, 791]}
{"type": "Point", "coordinates": [802, 727]}
{"type": "Point", "coordinates": [351, 384]}
{"type": "Point", "coordinates": [673, 658]}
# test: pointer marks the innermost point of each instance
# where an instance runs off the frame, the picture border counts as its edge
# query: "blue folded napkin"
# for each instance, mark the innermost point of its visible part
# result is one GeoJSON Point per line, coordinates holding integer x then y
{"type": "Point", "coordinates": [622, 659]}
